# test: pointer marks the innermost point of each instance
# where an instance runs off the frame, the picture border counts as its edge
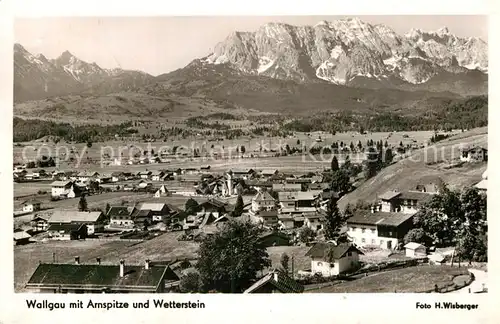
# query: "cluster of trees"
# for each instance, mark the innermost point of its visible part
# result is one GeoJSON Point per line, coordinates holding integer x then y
{"type": "Point", "coordinates": [439, 137]}
{"type": "Point", "coordinates": [377, 157]}
{"type": "Point", "coordinates": [454, 218]}
{"type": "Point", "coordinates": [31, 129]}
{"type": "Point", "coordinates": [451, 114]}
{"type": "Point", "coordinates": [229, 261]}
{"type": "Point", "coordinates": [42, 162]}
{"type": "Point", "coordinates": [197, 122]}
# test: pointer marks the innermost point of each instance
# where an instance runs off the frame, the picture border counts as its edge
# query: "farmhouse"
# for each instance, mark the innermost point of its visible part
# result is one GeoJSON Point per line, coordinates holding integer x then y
{"type": "Point", "coordinates": [67, 231]}
{"type": "Point", "coordinates": [31, 206]}
{"type": "Point", "coordinates": [21, 237]}
{"type": "Point", "coordinates": [159, 211]}
{"type": "Point", "coordinates": [329, 259]}
{"type": "Point", "coordinates": [287, 187]}
{"type": "Point", "coordinates": [474, 154]}
{"type": "Point", "coordinates": [117, 176]}
{"type": "Point", "coordinates": [314, 221]}
{"type": "Point", "coordinates": [263, 201]}
{"type": "Point", "coordinates": [381, 229]}
{"type": "Point", "coordinates": [99, 278]}
{"type": "Point", "coordinates": [144, 174]}
{"type": "Point", "coordinates": [244, 174]}
{"type": "Point", "coordinates": [93, 220]}
{"type": "Point", "coordinates": [120, 217]}
{"type": "Point", "coordinates": [142, 218]}
{"type": "Point", "coordinates": [40, 222]}
{"type": "Point", "coordinates": [298, 199]}
{"type": "Point", "coordinates": [87, 176]}
{"type": "Point", "coordinates": [157, 175]}
{"type": "Point", "coordinates": [275, 282]}
{"type": "Point", "coordinates": [408, 202]}
{"type": "Point", "coordinates": [64, 189]}
{"type": "Point", "coordinates": [415, 250]}
{"type": "Point", "coordinates": [266, 217]}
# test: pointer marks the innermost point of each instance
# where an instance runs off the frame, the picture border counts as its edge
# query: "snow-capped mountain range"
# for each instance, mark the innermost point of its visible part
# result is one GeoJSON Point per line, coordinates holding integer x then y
{"type": "Point", "coordinates": [346, 52]}
{"type": "Point", "coordinates": [343, 50]}
{"type": "Point", "coordinates": [36, 77]}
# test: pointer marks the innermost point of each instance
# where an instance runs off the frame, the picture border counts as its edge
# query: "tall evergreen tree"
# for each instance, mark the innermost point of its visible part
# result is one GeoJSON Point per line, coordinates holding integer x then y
{"type": "Point", "coordinates": [334, 221]}
{"type": "Point", "coordinates": [334, 164]}
{"type": "Point", "coordinates": [82, 204]}
{"type": "Point", "coordinates": [238, 208]}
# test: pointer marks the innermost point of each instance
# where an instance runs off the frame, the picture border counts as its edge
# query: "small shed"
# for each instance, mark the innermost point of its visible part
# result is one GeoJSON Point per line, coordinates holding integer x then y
{"type": "Point", "coordinates": [21, 237]}
{"type": "Point", "coordinates": [415, 250]}
{"type": "Point", "coordinates": [437, 259]}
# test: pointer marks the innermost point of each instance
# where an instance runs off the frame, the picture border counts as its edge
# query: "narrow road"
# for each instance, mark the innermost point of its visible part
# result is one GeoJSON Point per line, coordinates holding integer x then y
{"type": "Point", "coordinates": [480, 282]}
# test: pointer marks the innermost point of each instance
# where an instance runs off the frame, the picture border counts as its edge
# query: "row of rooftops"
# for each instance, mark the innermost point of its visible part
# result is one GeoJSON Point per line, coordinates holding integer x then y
{"type": "Point", "coordinates": [102, 277]}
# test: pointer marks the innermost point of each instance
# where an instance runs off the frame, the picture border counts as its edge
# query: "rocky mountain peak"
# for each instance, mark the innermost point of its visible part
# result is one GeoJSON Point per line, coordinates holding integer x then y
{"type": "Point", "coordinates": [341, 50]}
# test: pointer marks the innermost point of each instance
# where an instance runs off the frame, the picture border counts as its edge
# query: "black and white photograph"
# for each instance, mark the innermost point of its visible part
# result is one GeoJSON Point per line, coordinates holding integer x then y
{"type": "Point", "coordinates": [335, 154]}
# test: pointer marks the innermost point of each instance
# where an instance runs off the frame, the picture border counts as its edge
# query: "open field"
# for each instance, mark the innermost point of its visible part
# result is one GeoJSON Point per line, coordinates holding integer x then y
{"type": "Point", "coordinates": [27, 257]}
{"type": "Point", "coordinates": [408, 173]}
{"type": "Point", "coordinates": [31, 150]}
{"type": "Point", "coordinates": [163, 247]}
{"type": "Point", "coordinates": [97, 201]}
{"type": "Point", "coordinates": [407, 280]}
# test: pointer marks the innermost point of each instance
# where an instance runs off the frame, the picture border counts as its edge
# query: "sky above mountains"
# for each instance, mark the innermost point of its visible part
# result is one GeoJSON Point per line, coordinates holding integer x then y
{"type": "Point", "coordinates": [159, 45]}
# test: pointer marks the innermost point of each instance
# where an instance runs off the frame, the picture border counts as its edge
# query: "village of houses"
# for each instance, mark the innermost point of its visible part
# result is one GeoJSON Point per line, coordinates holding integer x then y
{"type": "Point", "coordinates": [281, 203]}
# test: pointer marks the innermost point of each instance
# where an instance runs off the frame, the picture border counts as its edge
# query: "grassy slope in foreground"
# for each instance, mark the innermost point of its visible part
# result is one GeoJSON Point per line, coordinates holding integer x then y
{"type": "Point", "coordinates": [408, 173]}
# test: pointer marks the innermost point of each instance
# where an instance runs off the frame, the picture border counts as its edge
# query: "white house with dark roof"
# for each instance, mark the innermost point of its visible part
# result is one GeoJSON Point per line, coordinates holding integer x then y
{"type": "Point", "coordinates": [408, 202]}
{"type": "Point", "coordinates": [157, 175]}
{"type": "Point", "coordinates": [159, 211]}
{"type": "Point", "coordinates": [474, 154]}
{"type": "Point", "coordinates": [93, 220]}
{"type": "Point", "coordinates": [31, 206]}
{"type": "Point", "coordinates": [263, 201]}
{"type": "Point", "coordinates": [329, 259]}
{"type": "Point", "coordinates": [64, 189]}
{"type": "Point", "coordinates": [379, 229]}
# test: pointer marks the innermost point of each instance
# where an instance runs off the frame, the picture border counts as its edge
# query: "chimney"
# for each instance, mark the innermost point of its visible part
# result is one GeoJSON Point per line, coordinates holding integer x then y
{"type": "Point", "coordinates": [372, 209]}
{"type": "Point", "coordinates": [275, 276]}
{"type": "Point", "coordinates": [122, 268]}
{"type": "Point", "coordinates": [147, 264]}
{"type": "Point", "coordinates": [77, 260]}
{"type": "Point", "coordinates": [98, 260]}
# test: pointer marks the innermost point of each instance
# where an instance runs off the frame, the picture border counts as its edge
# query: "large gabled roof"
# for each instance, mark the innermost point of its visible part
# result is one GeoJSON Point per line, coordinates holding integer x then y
{"type": "Point", "coordinates": [97, 276]}
{"type": "Point", "coordinates": [330, 251]}
{"type": "Point", "coordinates": [263, 196]}
{"type": "Point", "coordinates": [68, 216]}
{"type": "Point", "coordinates": [279, 280]}
{"type": "Point", "coordinates": [379, 218]}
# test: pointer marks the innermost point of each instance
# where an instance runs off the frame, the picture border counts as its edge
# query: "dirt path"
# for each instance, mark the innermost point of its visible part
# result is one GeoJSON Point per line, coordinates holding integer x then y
{"type": "Point", "coordinates": [477, 285]}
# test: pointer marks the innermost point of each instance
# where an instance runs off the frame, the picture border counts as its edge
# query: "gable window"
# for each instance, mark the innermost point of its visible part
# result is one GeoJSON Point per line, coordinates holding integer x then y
{"type": "Point", "coordinates": [349, 253]}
